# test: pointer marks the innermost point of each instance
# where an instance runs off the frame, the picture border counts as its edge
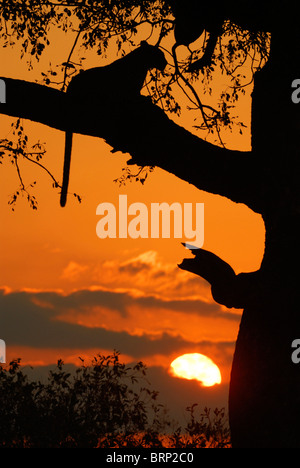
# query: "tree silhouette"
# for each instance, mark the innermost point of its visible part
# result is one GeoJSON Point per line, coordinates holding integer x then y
{"type": "Point", "coordinates": [106, 404]}
{"type": "Point", "coordinates": [264, 397]}
{"type": "Point", "coordinates": [101, 401]}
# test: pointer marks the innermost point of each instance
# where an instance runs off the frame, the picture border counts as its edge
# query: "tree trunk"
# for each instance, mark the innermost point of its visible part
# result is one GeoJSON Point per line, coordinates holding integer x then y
{"type": "Point", "coordinates": [264, 400]}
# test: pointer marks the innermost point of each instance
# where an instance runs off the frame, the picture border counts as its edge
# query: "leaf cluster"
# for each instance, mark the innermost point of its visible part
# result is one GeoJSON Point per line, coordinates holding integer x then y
{"type": "Point", "coordinates": [101, 24]}
{"type": "Point", "coordinates": [16, 148]}
{"type": "Point", "coordinates": [101, 400]}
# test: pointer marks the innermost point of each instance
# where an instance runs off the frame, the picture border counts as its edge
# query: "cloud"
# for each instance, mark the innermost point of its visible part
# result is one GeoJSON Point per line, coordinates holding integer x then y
{"type": "Point", "coordinates": [150, 274]}
{"type": "Point", "coordinates": [145, 262]}
{"type": "Point", "coordinates": [73, 271]}
{"type": "Point", "coordinates": [33, 319]}
{"type": "Point", "coordinates": [147, 281]}
{"type": "Point", "coordinates": [120, 300]}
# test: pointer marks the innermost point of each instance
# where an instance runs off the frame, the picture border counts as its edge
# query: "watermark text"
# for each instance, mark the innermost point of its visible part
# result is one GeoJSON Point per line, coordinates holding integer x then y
{"type": "Point", "coordinates": [2, 92]}
{"type": "Point", "coordinates": [296, 93]}
{"type": "Point", "coordinates": [2, 352]}
{"type": "Point", "coordinates": [180, 221]}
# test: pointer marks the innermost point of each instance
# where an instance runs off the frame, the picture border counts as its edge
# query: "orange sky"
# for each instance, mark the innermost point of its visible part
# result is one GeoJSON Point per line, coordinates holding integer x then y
{"type": "Point", "coordinates": [65, 293]}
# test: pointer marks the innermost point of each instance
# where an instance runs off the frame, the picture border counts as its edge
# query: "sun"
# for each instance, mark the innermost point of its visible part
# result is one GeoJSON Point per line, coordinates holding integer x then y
{"type": "Point", "coordinates": [196, 367]}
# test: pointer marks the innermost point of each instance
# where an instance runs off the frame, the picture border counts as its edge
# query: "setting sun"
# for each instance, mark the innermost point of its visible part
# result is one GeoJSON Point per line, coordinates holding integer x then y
{"type": "Point", "coordinates": [196, 367]}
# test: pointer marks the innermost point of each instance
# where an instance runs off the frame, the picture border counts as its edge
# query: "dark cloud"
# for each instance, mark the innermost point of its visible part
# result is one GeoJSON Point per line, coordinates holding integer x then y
{"type": "Point", "coordinates": [121, 301]}
{"type": "Point", "coordinates": [31, 319]}
{"type": "Point", "coordinates": [135, 267]}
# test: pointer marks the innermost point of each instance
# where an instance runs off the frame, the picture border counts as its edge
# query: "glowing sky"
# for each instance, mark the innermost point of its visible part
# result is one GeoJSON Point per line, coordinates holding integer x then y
{"type": "Point", "coordinates": [66, 293]}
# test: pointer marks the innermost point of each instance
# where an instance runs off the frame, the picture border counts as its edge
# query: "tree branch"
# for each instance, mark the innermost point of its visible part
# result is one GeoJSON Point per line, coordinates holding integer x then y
{"type": "Point", "coordinates": [145, 132]}
{"type": "Point", "coordinates": [227, 288]}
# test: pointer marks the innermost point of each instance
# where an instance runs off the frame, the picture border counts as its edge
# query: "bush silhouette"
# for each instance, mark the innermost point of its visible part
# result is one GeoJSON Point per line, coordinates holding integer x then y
{"type": "Point", "coordinates": [106, 404]}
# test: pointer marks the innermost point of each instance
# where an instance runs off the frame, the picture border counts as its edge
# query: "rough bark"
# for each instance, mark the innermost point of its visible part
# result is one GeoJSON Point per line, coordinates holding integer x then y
{"type": "Point", "coordinates": [265, 384]}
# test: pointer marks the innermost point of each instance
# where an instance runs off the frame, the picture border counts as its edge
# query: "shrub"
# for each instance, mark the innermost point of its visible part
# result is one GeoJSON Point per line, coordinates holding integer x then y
{"type": "Point", "coordinates": [106, 404]}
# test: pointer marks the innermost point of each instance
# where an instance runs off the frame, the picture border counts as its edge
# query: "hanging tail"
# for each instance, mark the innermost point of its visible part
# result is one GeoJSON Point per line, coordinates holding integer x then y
{"type": "Point", "coordinates": [67, 164]}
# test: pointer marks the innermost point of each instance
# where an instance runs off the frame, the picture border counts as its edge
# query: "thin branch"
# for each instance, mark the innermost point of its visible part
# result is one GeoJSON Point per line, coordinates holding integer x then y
{"type": "Point", "coordinates": [199, 104]}
{"type": "Point", "coordinates": [19, 173]}
{"type": "Point", "coordinates": [42, 167]}
{"type": "Point", "coordinates": [69, 58]}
